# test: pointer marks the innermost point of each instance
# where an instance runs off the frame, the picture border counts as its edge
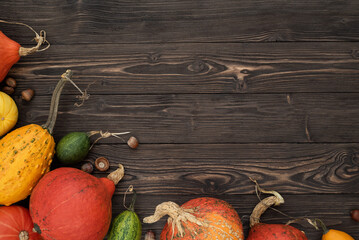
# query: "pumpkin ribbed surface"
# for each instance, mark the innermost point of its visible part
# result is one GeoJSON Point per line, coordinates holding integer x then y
{"type": "Point", "coordinates": [14, 222]}
{"type": "Point", "coordinates": [9, 54]}
{"type": "Point", "coordinates": [8, 113]}
{"type": "Point", "coordinates": [26, 154]}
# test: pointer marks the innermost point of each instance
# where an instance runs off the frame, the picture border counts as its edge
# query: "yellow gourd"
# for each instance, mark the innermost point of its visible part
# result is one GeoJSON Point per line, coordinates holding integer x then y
{"type": "Point", "coordinates": [336, 235]}
{"type": "Point", "coordinates": [8, 113]}
{"type": "Point", "coordinates": [26, 153]}
{"type": "Point", "coordinates": [333, 234]}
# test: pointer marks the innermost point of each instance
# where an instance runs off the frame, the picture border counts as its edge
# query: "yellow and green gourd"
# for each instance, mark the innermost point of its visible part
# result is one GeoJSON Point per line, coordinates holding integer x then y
{"type": "Point", "coordinates": [26, 153]}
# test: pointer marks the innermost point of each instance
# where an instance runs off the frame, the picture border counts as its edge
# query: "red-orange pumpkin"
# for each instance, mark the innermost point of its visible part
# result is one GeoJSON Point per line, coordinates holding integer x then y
{"type": "Point", "coordinates": [68, 203]}
{"type": "Point", "coordinates": [200, 219]}
{"type": "Point", "coordinates": [16, 224]}
{"type": "Point", "coordinates": [262, 231]}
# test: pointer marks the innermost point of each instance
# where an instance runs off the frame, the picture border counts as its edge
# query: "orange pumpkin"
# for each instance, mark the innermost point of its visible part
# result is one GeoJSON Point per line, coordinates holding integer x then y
{"type": "Point", "coordinates": [200, 218]}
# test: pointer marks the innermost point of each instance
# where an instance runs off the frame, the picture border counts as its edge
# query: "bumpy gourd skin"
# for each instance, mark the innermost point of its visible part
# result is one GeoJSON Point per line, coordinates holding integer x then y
{"type": "Point", "coordinates": [8, 113]}
{"type": "Point", "coordinates": [25, 156]}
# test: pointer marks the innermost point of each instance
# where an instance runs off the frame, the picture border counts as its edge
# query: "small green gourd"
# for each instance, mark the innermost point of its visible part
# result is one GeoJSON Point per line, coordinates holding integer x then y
{"type": "Point", "coordinates": [73, 147]}
{"type": "Point", "coordinates": [127, 225]}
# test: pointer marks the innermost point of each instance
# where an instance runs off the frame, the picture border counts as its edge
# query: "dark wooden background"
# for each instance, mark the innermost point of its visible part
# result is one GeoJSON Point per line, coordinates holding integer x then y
{"type": "Point", "coordinates": [216, 91]}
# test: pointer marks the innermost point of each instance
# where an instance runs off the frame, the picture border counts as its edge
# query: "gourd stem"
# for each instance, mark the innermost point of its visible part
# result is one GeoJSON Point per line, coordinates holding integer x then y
{"type": "Point", "coordinates": [39, 38]}
{"type": "Point", "coordinates": [24, 235]}
{"type": "Point", "coordinates": [325, 229]}
{"type": "Point", "coordinates": [50, 123]}
{"type": "Point", "coordinates": [177, 216]}
{"type": "Point", "coordinates": [117, 175]}
{"type": "Point", "coordinates": [263, 205]}
{"type": "Point", "coordinates": [133, 200]}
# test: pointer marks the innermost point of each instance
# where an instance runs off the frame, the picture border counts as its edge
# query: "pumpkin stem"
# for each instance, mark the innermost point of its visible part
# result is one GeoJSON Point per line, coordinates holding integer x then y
{"type": "Point", "coordinates": [24, 235]}
{"type": "Point", "coordinates": [39, 38]}
{"type": "Point", "coordinates": [117, 175]}
{"type": "Point", "coordinates": [321, 223]}
{"type": "Point", "coordinates": [263, 205]}
{"type": "Point", "coordinates": [49, 125]}
{"type": "Point", "coordinates": [176, 216]}
{"type": "Point", "coordinates": [134, 197]}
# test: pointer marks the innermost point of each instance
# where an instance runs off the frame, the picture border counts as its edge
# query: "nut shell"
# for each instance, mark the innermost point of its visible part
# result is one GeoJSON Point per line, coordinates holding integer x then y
{"type": "Point", "coordinates": [8, 90]}
{"type": "Point", "coordinates": [102, 164]}
{"type": "Point", "coordinates": [11, 82]}
{"type": "Point", "coordinates": [132, 142]}
{"type": "Point", "coordinates": [27, 94]}
{"type": "Point", "coordinates": [355, 215]}
{"type": "Point", "coordinates": [87, 167]}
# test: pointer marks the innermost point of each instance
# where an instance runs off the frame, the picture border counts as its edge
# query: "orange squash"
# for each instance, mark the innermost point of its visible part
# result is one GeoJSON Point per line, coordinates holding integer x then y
{"type": "Point", "coordinates": [26, 154]}
{"type": "Point", "coordinates": [11, 51]}
{"type": "Point", "coordinates": [201, 219]}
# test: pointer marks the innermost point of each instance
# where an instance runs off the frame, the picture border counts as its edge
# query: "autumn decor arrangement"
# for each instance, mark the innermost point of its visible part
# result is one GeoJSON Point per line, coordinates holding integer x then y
{"type": "Point", "coordinates": [68, 203]}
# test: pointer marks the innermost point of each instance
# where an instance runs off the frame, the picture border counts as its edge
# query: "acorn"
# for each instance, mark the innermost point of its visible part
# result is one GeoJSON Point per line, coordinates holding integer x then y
{"type": "Point", "coordinates": [27, 94]}
{"type": "Point", "coordinates": [10, 82]}
{"type": "Point", "coordinates": [132, 142]}
{"type": "Point", "coordinates": [102, 164]}
{"type": "Point", "coordinates": [8, 90]}
{"type": "Point", "coordinates": [87, 167]}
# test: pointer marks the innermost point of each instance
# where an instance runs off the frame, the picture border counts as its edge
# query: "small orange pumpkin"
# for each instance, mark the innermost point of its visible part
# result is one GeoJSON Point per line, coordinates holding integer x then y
{"type": "Point", "coordinates": [201, 218]}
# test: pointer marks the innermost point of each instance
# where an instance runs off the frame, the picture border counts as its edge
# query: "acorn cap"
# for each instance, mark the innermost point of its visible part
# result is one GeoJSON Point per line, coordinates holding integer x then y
{"type": "Point", "coordinates": [102, 164]}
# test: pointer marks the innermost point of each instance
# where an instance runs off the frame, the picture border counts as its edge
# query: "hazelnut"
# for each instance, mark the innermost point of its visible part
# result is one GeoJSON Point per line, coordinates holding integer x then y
{"type": "Point", "coordinates": [102, 164]}
{"type": "Point", "coordinates": [27, 94]}
{"type": "Point", "coordinates": [8, 90]}
{"type": "Point", "coordinates": [150, 235]}
{"type": "Point", "coordinates": [87, 167]}
{"type": "Point", "coordinates": [132, 142]}
{"type": "Point", "coordinates": [355, 215]}
{"type": "Point", "coordinates": [10, 82]}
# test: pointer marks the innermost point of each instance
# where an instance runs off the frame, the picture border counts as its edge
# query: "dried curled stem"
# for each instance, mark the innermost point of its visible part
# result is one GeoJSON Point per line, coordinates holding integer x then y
{"type": "Point", "coordinates": [39, 38]}
{"type": "Point", "coordinates": [263, 205]}
{"type": "Point", "coordinates": [177, 215]}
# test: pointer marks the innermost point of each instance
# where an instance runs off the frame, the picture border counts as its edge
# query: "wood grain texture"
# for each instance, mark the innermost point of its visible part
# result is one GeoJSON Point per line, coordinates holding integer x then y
{"type": "Point", "coordinates": [218, 169]}
{"type": "Point", "coordinates": [332, 209]}
{"type": "Point", "coordinates": [207, 118]}
{"type": "Point", "coordinates": [150, 21]}
{"type": "Point", "coordinates": [195, 68]}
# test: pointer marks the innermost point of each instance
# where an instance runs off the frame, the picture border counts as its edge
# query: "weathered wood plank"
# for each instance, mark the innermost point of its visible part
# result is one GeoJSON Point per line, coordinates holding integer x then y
{"type": "Point", "coordinates": [333, 209]}
{"type": "Point", "coordinates": [217, 169]}
{"type": "Point", "coordinates": [195, 68]}
{"type": "Point", "coordinates": [74, 22]}
{"type": "Point", "coordinates": [208, 118]}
